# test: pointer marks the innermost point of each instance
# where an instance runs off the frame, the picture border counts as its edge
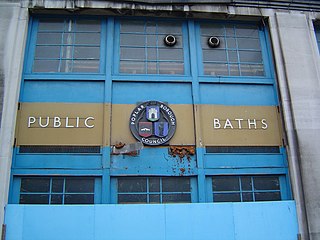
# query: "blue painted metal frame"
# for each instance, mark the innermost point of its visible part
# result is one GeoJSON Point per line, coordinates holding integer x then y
{"type": "Point", "coordinates": [104, 88]}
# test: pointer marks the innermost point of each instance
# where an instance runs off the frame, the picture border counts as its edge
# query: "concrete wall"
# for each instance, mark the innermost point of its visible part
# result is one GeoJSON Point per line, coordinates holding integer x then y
{"type": "Point", "coordinates": [13, 23]}
{"type": "Point", "coordinates": [300, 63]}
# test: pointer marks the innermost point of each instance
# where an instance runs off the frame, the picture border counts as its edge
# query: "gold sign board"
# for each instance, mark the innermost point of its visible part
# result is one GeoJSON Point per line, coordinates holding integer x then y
{"type": "Point", "coordinates": [240, 125]}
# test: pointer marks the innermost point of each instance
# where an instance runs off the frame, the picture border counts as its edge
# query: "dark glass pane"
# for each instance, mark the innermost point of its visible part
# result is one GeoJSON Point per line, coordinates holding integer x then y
{"type": "Point", "coordinates": [154, 184]}
{"type": "Point", "coordinates": [171, 68]}
{"type": "Point", "coordinates": [57, 185]}
{"type": "Point", "coordinates": [230, 30]}
{"type": "Point", "coordinates": [246, 184]}
{"type": "Point", "coordinates": [132, 198]}
{"type": "Point", "coordinates": [88, 25]}
{"type": "Point", "coordinates": [133, 40]}
{"type": "Point", "coordinates": [266, 183]}
{"type": "Point", "coordinates": [86, 52]}
{"type": "Point", "coordinates": [226, 197]}
{"type": "Point", "coordinates": [79, 185]}
{"type": "Point", "coordinates": [252, 70]}
{"type": "Point", "coordinates": [247, 31]}
{"type": "Point", "coordinates": [214, 55]}
{"type": "Point", "coordinates": [49, 38]}
{"type": "Point", "coordinates": [176, 198]}
{"type": "Point", "coordinates": [135, 184]}
{"type": "Point", "coordinates": [34, 199]}
{"type": "Point", "coordinates": [35, 185]}
{"type": "Point", "coordinates": [56, 199]}
{"type": "Point", "coordinates": [154, 198]}
{"type": "Point", "coordinates": [233, 56]}
{"type": "Point", "coordinates": [152, 41]}
{"type": "Point", "coordinates": [151, 27]}
{"type": "Point", "coordinates": [225, 183]}
{"type": "Point", "coordinates": [267, 196]}
{"type": "Point", "coordinates": [215, 69]}
{"type": "Point", "coordinates": [254, 57]}
{"type": "Point", "coordinates": [47, 52]}
{"type": "Point", "coordinates": [231, 42]}
{"type": "Point", "coordinates": [68, 38]}
{"type": "Point", "coordinates": [152, 68]}
{"type": "Point", "coordinates": [87, 38]}
{"type": "Point", "coordinates": [132, 67]}
{"type": "Point", "coordinates": [152, 54]}
{"type": "Point", "coordinates": [247, 197]}
{"type": "Point", "coordinates": [171, 54]}
{"type": "Point", "coordinates": [132, 53]}
{"type": "Point", "coordinates": [247, 43]}
{"type": "Point", "coordinates": [51, 25]}
{"type": "Point", "coordinates": [91, 66]}
{"type": "Point", "coordinates": [79, 199]}
{"type": "Point", "coordinates": [212, 29]}
{"type": "Point", "coordinates": [175, 184]}
{"type": "Point", "coordinates": [234, 70]}
{"type": "Point", "coordinates": [132, 26]}
{"type": "Point", "coordinates": [46, 66]}
{"type": "Point", "coordinates": [169, 28]}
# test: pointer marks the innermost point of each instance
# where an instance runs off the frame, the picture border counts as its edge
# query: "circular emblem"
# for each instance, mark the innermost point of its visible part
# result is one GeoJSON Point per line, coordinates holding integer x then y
{"type": "Point", "coordinates": [153, 123]}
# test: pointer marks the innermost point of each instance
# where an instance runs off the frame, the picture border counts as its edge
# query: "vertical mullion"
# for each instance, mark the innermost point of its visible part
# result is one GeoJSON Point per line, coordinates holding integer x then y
{"type": "Point", "coordinates": [240, 188]}
{"type": "Point", "coordinates": [145, 47]}
{"type": "Point", "coordinates": [160, 190]}
{"type": "Point", "coordinates": [63, 189]}
{"type": "Point", "coordinates": [237, 49]}
{"type": "Point", "coordinates": [227, 48]}
{"type": "Point", "coordinates": [147, 192]}
{"type": "Point", "coordinates": [252, 189]}
{"type": "Point", "coordinates": [50, 190]}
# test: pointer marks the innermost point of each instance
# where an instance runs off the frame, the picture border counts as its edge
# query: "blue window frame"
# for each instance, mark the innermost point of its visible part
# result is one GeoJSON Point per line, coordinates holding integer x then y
{"type": "Point", "coordinates": [146, 189]}
{"type": "Point", "coordinates": [88, 59]}
{"type": "Point", "coordinates": [66, 45]}
{"type": "Point", "coordinates": [317, 31]}
{"type": "Point", "coordinates": [246, 188]}
{"type": "Point", "coordinates": [143, 49]}
{"type": "Point", "coordinates": [57, 190]}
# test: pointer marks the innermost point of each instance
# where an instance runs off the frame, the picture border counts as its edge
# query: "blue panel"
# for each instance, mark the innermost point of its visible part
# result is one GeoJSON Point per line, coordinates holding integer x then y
{"type": "Point", "coordinates": [244, 160]}
{"type": "Point", "coordinates": [153, 161]}
{"type": "Point", "coordinates": [47, 161]}
{"type": "Point", "coordinates": [237, 94]}
{"type": "Point", "coordinates": [131, 93]}
{"type": "Point", "coordinates": [223, 221]}
{"type": "Point", "coordinates": [63, 91]}
{"type": "Point", "coordinates": [252, 226]}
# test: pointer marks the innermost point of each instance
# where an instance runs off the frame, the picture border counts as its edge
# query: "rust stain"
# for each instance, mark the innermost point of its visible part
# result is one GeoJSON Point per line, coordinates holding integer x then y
{"type": "Point", "coordinates": [182, 151]}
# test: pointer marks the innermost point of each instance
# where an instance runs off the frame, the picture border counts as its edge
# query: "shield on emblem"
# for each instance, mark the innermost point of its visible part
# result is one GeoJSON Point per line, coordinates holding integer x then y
{"type": "Point", "coordinates": [145, 129]}
{"type": "Point", "coordinates": [153, 113]}
{"type": "Point", "coordinates": [161, 129]}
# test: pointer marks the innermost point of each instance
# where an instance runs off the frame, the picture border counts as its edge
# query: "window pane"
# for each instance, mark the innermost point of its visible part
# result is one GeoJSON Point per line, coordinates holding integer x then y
{"type": "Point", "coordinates": [266, 183]}
{"type": "Point", "coordinates": [34, 199]}
{"type": "Point", "coordinates": [226, 197]}
{"type": "Point", "coordinates": [132, 53]}
{"type": "Point", "coordinates": [246, 43]}
{"type": "Point", "coordinates": [247, 31]}
{"type": "Point", "coordinates": [132, 40]}
{"type": "Point", "coordinates": [49, 38]}
{"type": "Point", "coordinates": [252, 70]}
{"type": "Point", "coordinates": [132, 185]}
{"type": "Point", "coordinates": [132, 67]}
{"type": "Point", "coordinates": [247, 197]}
{"type": "Point", "coordinates": [254, 57]}
{"type": "Point", "coordinates": [56, 199]}
{"type": "Point", "coordinates": [212, 29]}
{"type": "Point", "coordinates": [170, 54]}
{"type": "Point", "coordinates": [79, 199]}
{"type": "Point", "coordinates": [88, 25]}
{"type": "Point", "coordinates": [87, 38]}
{"type": "Point", "coordinates": [47, 52]}
{"type": "Point", "coordinates": [132, 198]}
{"type": "Point", "coordinates": [170, 28]}
{"type": "Point", "coordinates": [154, 198]}
{"type": "Point", "coordinates": [171, 68]}
{"type": "Point", "coordinates": [132, 26]}
{"type": "Point", "coordinates": [175, 198]}
{"type": "Point", "coordinates": [175, 184]}
{"type": "Point", "coordinates": [225, 184]}
{"type": "Point", "coordinates": [87, 52]}
{"type": "Point", "coordinates": [246, 183]}
{"type": "Point", "coordinates": [51, 25]}
{"type": "Point", "coordinates": [79, 185]}
{"type": "Point", "coordinates": [91, 66]}
{"type": "Point", "coordinates": [267, 196]}
{"type": "Point", "coordinates": [154, 184]}
{"type": "Point", "coordinates": [35, 185]}
{"type": "Point", "coordinates": [215, 69]}
{"type": "Point", "coordinates": [215, 55]}
{"type": "Point", "coordinates": [57, 185]}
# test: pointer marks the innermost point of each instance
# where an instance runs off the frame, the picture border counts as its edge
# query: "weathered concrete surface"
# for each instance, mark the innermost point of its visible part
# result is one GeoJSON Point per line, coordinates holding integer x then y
{"type": "Point", "coordinates": [13, 22]}
{"type": "Point", "coordinates": [301, 66]}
